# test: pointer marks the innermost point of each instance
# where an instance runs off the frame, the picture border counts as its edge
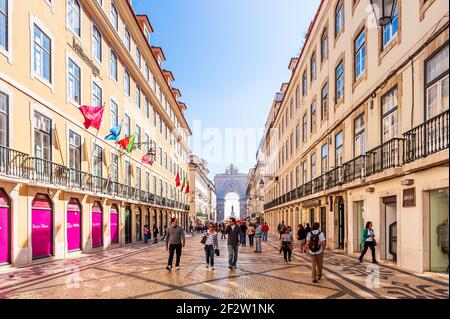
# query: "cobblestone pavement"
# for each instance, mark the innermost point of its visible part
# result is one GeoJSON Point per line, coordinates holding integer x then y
{"type": "Point", "coordinates": [138, 271]}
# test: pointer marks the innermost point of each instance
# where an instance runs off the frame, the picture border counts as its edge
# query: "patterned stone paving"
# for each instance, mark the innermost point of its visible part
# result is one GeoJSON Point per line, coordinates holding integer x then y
{"type": "Point", "coordinates": [138, 271]}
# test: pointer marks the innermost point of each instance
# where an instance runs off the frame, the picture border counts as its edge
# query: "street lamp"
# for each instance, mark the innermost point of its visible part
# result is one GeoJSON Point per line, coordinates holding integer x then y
{"type": "Point", "coordinates": [387, 10]}
{"type": "Point", "coordinates": [261, 183]}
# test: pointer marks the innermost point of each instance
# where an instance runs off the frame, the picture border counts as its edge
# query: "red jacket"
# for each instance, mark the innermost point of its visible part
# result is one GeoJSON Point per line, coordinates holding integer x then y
{"type": "Point", "coordinates": [265, 228]}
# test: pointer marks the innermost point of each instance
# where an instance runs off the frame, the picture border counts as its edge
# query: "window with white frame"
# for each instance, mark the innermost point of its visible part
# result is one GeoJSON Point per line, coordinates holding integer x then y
{"type": "Point", "coordinates": [324, 102]}
{"type": "Point", "coordinates": [304, 83]}
{"type": "Point", "coordinates": [305, 128]}
{"type": "Point", "coordinates": [74, 16]}
{"type": "Point", "coordinates": [339, 18]}
{"type": "Point", "coordinates": [126, 83]}
{"type": "Point", "coordinates": [114, 116]}
{"type": "Point", "coordinates": [324, 159]}
{"type": "Point", "coordinates": [97, 95]}
{"type": "Point", "coordinates": [436, 86]}
{"type": "Point", "coordinates": [360, 54]}
{"type": "Point", "coordinates": [4, 119]}
{"type": "Point", "coordinates": [340, 81]}
{"type": "Point", "coordinates": [97, 161]}
{"type": "Point", "coordinates": [313, 165]}
{"type": "Point", "coordinates": [42, 54]}
{"type": "Point", "coordinates": [138, 136]}
{"type": "Point", "coordinates": [138, 57]}
{"type": "Point", "coordinates": [313, 116]}
{"type": "Point", "coordinates": [390, 31]}
{"type": "Point", "coordinates": [126, 125]}
{"type": "Point", "coordinates": [114, 168]}
{"type": "Point", "coordinates": [389, 103]}
{"type": "Point", "coordinates": [74, 150]}
{"type": "Point", "coordinates": [4, 25]}
{"type": "Point", "coordinates": [324, 45]}
{"type": "Point", "coordinates": [137, 99]}
{"type": "Point", "coordinates": [297, 176]}
{"type": "Point", "coordinates": [96, 43]}
{"type": "Point", "coordinates": [73, 81]}
{"type": "Point", "coordinates": [305, 172]}
{"type": "Point", "coordinates": [42, 136]}
{"type": "Point", "coordinates": [114, 17]}
{"type": "Point", "coordinates": [313, 67]}
{"type": "Point", "coordinates": [359, 136]}
{"type": "Point", "coordinates": [147, 182]}
{"type": "Point", "coordinates": [113, 68]}
{"type": "Point", "coordinates": [128, 173]}
{"type": "Point", "coordinates": [127, 39]}
{"type": "Point", "coordinates": [138, 177]}
{"type": "Point", "coordinates": [339, 150]}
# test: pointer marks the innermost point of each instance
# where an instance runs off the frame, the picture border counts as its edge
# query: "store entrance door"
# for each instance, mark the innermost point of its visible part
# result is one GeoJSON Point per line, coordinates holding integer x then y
{"type": "Point", "coordinates": [389, 233]}
{"type": "Point", "coordinates": [128, 225]}
{"type": "Point", "coordinates": [341, 224]}
{"type": "Point", "coordinates": [439, 230]}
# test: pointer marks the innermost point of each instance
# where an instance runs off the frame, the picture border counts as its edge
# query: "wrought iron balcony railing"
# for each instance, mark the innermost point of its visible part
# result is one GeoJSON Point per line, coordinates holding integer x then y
{"type": "Point", "coordinates": [429, 137]}
{"type": "Point", "coordinates": [11, 162]}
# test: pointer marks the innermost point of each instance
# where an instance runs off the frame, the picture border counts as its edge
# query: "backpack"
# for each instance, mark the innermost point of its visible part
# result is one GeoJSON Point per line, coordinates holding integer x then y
{"type": "Point", "coordinates": [314, 242]}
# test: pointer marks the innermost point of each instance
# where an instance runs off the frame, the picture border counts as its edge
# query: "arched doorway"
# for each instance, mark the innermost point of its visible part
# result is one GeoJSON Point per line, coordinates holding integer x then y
{"type": "Point", "coordinates": [41, 227]}
{"type": "Point", "coordinates": [114, 224]}
{"type": "Point", "coordinates": [232, 205]}
{"type": "Point", "coordinates": [128, 225]}
{"type": "Point", "coordinates": [5, 232]}
{"type": "Point", "coordinates": [97, 225]}
{"type": "Point", "coordinates": [138, 213]}
{"type": "Point", "coordinates": [73, 225]}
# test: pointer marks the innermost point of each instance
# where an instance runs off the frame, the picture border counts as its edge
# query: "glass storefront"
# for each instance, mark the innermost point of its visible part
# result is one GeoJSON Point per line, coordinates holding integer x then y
{"type": "Point", "coordinates": [358, 224]}
{"type": "Point", "coordinates": [439, 230]}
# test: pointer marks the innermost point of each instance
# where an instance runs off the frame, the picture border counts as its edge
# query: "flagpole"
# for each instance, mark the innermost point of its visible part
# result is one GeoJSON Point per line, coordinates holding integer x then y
{"type": "Point", "coordinates": [116, 154]}
{"type": "Point", "coordinates": [95, 140]}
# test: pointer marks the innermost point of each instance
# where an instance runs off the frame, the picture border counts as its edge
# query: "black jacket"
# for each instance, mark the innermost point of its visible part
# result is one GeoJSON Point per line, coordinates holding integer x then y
{"type": "Point", "coordinates": [234, 235]}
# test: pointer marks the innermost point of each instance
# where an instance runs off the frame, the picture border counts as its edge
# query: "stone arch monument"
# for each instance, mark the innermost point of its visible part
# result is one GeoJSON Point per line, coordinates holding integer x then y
{"type": "Point", "coordinates": [230, 181]}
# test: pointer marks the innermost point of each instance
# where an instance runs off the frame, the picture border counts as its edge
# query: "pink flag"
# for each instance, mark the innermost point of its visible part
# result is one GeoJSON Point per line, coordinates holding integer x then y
{"type": "Point", "coordinates": [145, 160]}
{"type": "Point", "coordinates": [92, 116]}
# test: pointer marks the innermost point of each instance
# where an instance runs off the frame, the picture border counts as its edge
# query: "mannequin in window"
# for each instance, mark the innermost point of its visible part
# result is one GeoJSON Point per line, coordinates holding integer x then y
{"type": "Point", "coordinates": [442, 231]}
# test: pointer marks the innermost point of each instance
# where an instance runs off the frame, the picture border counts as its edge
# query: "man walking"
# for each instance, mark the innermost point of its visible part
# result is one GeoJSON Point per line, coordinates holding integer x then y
{"type": "Point", "coordinates": [281, 228]}
{"type": "Point", "coordinates": [175, 239]}
{"type": "Point", "coordinates": [234, 237]}
{"type": "Point", "coordinates": [244, 234]}
{"type": "Point", "coordinates": [315, 243]}
{"type": "Point", "coordinates": [265, 230]}
{"type": "Point", "coordinates": [258, 237]}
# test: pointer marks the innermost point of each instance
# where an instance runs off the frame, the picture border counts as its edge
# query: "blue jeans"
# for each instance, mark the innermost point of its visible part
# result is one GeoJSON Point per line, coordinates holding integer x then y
{"type": "Point", "coordinates": [258, 244]}
{"type": "Point", "coordinates": [264, 236]}
{"type": "Point", "coordinates": [232, 255]}
{"type": "Point", "coordinates": [209, 251]}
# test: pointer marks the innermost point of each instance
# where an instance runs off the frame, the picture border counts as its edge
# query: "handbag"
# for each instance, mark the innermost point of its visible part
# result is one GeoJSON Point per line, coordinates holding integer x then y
{"type": "Point", "coordinates": [374, 242]}
{"type": "Point", "coordinates": [217, 252]}
{"type": "Point", "coordinates": [203, 241]}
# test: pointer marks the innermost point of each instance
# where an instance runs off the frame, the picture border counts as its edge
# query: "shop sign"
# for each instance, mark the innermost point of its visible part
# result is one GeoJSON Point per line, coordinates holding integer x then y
{"type": "Point", "coordinates": [409, 197]}
{"type": "Point", "coordinates": [79, 50]}
{"type": "Point", "coordinates": [311, 203]}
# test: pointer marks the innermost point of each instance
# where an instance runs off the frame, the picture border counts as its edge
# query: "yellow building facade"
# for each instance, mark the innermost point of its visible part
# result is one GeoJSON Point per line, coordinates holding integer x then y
{"type": "Point", "coordinates": [360, 133]}
{"type": "Point", "coordinates": [64, 189]}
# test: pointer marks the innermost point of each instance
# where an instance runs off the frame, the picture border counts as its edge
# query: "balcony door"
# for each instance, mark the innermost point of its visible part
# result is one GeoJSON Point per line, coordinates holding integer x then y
{"type": "Point", "coordinates": [42, 145]}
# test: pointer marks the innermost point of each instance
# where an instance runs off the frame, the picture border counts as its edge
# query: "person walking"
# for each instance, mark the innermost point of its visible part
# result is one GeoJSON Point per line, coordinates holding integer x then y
{"type": "Point", "coordinates": [234, 237]}
{"type": "Point", "coordinates": [286, 244]}
{"type": "Point", "coordinates": [301, 236]}
{"type": "Point", "coordinates": [211, 242]}
{"type": "Point", "coordinates": [307, 229]}
{"type": "Point", "coordinates": [175, 240]}
{"type": "Point", "coordinates": [244, 234]}
{"type": "Point", "coordinates": [281, 229]}
{"type": "Point", "coordinates": [146, 233]}
{"type": "Point", "coordinates": [258, 237]}
{"type": "Point", "coordinates": [368, 240]}
{"type": "Point", "coordinates": [265, 230]}
{"type": "Point", "coordinates": [251, 234]}
{"type": "Point", "coordinates": [155, 234]}
{"type": "Point", "coordinates": [315, 243]}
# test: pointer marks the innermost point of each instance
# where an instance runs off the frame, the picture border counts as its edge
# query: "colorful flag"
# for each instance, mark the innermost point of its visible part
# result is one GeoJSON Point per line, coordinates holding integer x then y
{"type": "Point", "coordinates": [127, 143]}
{"type": "Point", "coordinates": [184, 183]}
{"type": "Point", "coordinates": [177, 180]}
{"type": "Point", "coordinates": [114, 133]}
{"type": "Point", "coordinates": [187, 188]}
{"type": "Point", "coordinates": [145, 160]}
{"type": "Point", "coordinates": [92, 116]}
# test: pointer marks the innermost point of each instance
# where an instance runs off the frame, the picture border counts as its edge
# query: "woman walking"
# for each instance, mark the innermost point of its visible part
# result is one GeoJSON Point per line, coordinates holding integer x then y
{"type": "Point", "coordinates": [211, 242]}
{"type": "Point", "coordinates": [155, 234]}
{"type": "Point", "coordinates": [286, 244]}
{"type": "Point", "coordinates": [146, 233]}
{"type": "Point", "coordinates": [251, 234]}
{"type": "Point", "coordinates": [368, 240]}
{"type": "Point", "coordinates": [301, 236]}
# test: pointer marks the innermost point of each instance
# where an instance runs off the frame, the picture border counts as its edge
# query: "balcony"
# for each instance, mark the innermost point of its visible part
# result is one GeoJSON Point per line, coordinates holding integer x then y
{"type": "Point", "coordinates": [11, 162]}
{"type": "Point", "coordinates": [430, 137]}
{"type": "Point", "coordinates": [385, 156]}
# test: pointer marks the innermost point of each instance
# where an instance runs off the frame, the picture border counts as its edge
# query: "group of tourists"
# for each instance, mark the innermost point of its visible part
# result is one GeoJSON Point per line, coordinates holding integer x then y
{"type": "Point", "coordinates": [311, 240]}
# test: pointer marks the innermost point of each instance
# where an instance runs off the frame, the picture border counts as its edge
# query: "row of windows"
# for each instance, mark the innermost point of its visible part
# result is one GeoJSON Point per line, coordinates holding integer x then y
{"type": "Point", "coordinates": [436, 102]}
{"type": "Point", "coordinates": [389, 33]}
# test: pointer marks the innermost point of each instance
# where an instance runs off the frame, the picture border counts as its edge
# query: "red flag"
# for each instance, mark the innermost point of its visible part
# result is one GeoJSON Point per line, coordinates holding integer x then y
{"type": "Point", "coordinates": [92, 116]}
{"type": "Point", "coordinates": [177, 180]}
{"type": "Point", "coordinates": [124, 142]}
{"type": "Point", "coordinates": [187, 188]}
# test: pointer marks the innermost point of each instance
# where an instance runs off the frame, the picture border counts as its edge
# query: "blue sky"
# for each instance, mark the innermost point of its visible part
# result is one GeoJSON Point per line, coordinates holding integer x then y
{"type": "Point", "coordinates": [229, 57]}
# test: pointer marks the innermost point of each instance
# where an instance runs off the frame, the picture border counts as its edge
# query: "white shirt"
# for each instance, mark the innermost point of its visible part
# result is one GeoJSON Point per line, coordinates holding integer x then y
{"type": "Point", "coordinates": [321, 240]}
{"type": "Point", "coordinates": [209, 239]}
{"type": "Point", "coordinates": [370, 238]}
